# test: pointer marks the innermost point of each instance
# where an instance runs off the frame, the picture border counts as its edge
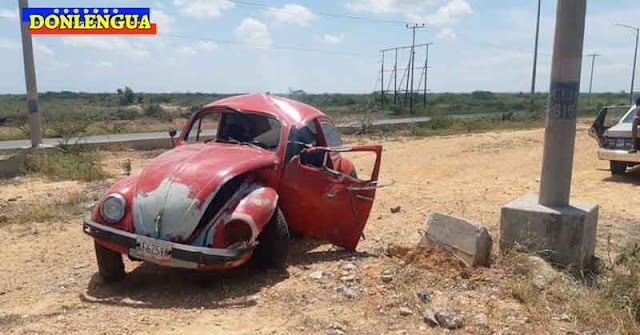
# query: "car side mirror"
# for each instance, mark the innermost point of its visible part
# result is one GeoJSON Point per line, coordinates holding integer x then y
{"type": "Point", "coordinates": [172, 134]}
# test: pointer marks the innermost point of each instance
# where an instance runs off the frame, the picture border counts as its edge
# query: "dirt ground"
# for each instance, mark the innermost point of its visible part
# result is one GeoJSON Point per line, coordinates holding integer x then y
{"type": "Point", "coordinates": [49, 285]}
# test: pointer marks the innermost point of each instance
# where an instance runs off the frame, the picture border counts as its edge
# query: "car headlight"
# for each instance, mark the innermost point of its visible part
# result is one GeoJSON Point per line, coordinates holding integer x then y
{"type": "Point", "coordinates": [113, 207]}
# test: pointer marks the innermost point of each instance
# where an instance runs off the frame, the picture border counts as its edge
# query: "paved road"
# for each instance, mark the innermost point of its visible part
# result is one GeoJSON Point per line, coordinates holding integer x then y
{"type": "Point", "coordinates": [114, 138]}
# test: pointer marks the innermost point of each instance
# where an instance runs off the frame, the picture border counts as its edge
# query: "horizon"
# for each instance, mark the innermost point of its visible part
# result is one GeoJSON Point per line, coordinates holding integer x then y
{"type": "Point", "coordinates": [236, 46]}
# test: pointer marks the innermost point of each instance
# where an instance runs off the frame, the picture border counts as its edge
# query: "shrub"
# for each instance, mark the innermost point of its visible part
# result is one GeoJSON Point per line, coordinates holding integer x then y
{"type": "Point", "coordinates": [125, 114]}
{"type": "Point", "coordinates": [72, 164]}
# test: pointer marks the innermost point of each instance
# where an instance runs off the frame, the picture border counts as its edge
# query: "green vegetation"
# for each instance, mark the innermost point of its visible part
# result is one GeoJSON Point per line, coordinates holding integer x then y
{"type": "Point", "coordinates": [442, 125]}
{"type": "Point", "coordinates": [78, 114]}
{"type": "Point", "coordinates": [611, 296]}
{"type": "Point", "coordinates": [46, 210]}
{"type": "Point", "coordinates": [66, 163]}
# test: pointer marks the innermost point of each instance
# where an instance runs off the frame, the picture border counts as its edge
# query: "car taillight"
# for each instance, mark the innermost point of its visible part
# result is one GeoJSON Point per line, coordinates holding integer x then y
{"type": "Point", "coordinates": [237, 233]}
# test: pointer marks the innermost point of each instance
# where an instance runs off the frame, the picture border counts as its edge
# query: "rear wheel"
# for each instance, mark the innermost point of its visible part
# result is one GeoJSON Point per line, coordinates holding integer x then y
{"type": "Point", "coordinates": [110, 264]}
{"type": "Point", "coordinates": [617, 167]}
{"type": "Point", "coordinates": [272, 250]}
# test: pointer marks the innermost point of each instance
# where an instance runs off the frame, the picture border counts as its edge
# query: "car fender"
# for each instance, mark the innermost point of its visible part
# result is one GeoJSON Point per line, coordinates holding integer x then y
{"type": "Point", "coordinates": [254, 204]}
{"type": "Point", "coordinates": [125, 187]}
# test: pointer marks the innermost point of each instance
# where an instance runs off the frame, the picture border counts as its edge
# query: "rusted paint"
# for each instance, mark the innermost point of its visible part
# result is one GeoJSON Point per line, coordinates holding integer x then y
{"type": "Point", "coordinates": [168, 199]}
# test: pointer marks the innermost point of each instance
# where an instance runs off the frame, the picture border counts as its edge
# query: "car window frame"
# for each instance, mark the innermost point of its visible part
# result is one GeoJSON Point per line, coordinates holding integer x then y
{"type": "Point", "coordinates": [222, 109]}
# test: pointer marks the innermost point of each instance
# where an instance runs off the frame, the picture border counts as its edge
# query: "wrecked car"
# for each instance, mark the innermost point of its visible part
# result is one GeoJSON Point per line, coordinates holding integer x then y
{"type": "Point", "coordinates": [612, 130]}
{"type": "Point", "coordinates": [244, 173]}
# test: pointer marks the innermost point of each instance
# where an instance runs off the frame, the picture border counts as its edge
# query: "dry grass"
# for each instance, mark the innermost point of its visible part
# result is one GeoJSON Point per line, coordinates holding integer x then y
{"type": "Point", "coordinates": [49, 210]}
{"type": "Point", "coordinates": [67, 164]}
{"type": "Point", "coordinates": [607, 302]}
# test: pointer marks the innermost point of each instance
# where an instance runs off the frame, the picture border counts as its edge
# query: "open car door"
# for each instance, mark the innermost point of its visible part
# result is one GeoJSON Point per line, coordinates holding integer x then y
{"type": "Point", "coordinates": [324, 203]}
{"type": "Point", "coordinates": [608, 117]}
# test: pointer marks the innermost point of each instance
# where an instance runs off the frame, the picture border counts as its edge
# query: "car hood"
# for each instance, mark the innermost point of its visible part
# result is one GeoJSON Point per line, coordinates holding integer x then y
{"type": "Point", "coordinates": [619, 130]}
{"type": "Point", "coordinates": [176, 187]}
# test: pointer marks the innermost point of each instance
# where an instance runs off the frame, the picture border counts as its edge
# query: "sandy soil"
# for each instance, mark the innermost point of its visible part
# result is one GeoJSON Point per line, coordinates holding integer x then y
{"type": "Point", "coordinates": [48, 281]}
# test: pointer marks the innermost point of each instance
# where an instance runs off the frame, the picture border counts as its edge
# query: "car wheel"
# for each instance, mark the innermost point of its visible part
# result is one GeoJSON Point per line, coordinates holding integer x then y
{"type": "Point", "coordinates": [110, 264]}
{"type": "Point", "coordinates": [617, 167]}
{"type": "Point", "coordinates": [272, 250]}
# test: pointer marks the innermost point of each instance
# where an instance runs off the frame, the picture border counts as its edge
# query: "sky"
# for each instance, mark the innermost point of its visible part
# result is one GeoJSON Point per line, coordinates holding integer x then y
{"type": "Point", "coordinates": [232, 46]}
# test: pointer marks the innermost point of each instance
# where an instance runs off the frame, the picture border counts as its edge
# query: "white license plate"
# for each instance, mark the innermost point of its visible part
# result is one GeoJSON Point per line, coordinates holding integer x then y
{"type": "Point", "coordinates": [153, 250]}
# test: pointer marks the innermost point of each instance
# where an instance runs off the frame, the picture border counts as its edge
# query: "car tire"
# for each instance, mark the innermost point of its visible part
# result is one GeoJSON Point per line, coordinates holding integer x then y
{"type": "Point", "coordinates": [272, 251]}
{"type": "Point", "coordinates": [110, 264]}
{"type": "Point", "coordinates": [617, 167]}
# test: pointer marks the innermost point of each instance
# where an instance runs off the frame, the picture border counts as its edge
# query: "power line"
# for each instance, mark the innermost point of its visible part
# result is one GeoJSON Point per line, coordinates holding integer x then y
{"type": "Point", "coordinates": [323, 14]}
{"type": "Point", "coordinates": [278, 47]}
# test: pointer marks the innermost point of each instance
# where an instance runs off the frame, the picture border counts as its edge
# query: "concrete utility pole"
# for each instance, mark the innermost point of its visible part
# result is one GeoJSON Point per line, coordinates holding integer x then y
{"type": "Point", "coordinates": [593, 60]}
{"type": "Point", "coordinates": [562, 232]}
{"type": "Point", "coordinates": [35, 121]}
{"type": "Point", "coordinates": [395, 78]}
{"type": "Point", "coordinates": [413, 56]}
{"type": "Point", "coordinates": [382, 82]}
{"type": "Point", "coordinates": [560, 132]}
{"type": "Point", "coordinates": [635, 58]}
{"type": "Point", "coordinates": [426, 70]}
{"type": "Point", "coordinates": [535, 52]}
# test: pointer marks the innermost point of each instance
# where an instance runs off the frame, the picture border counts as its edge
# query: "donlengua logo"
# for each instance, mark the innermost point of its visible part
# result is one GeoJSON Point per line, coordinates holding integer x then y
{"type": "Point", "coordinates": [89, 21]}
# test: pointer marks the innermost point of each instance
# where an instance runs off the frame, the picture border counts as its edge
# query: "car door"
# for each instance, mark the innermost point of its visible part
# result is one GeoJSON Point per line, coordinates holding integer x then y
{"type": "Point", "coordinates": [324, 203]}
{"type": "Point", "coordinates": [607, 118]}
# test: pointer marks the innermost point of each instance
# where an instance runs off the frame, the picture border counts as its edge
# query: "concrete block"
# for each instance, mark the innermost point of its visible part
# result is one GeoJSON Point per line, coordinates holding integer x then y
{"type": "Point", "coordinates": [467, 240]}
{"type": "Point", "coordinates": [561, 235]}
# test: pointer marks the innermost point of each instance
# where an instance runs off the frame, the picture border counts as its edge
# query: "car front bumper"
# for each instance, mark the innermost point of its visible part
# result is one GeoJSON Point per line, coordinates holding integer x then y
{"type": "Point", "coordinates": [182, 255]}
{"type": "Point", "coordinates": [618, 155]}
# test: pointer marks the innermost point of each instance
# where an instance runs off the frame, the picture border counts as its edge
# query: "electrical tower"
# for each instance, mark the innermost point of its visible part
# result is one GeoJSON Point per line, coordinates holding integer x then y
{"type": "Point", "coordinates": [404, 89]}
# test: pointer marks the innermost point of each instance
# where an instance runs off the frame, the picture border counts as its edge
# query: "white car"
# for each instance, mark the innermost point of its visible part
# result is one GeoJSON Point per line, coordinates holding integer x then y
{"type": "Point", "coordinates": [612, 130]}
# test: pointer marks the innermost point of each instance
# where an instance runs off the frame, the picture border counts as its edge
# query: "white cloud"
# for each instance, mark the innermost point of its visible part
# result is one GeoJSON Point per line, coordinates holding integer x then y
{"type": "Point", "coordinates": [391, 6]}
{"type": "Point", "coordinates": [196, 48]}
{"type": "Point", "coordinates": [446, 34]}
{"type": "Point", "coordinates": [291, 13]}
{"type": "Point", "coordinates": [254, 32]}
{"type": "Point", "coordinates": [207, 46]}
{"type": "Point", "coordinates": [104, 64]}
{"type": "Point", "coordinates": [9, 44]}
{"type": "Point", "coordinates": [203, 9]}
{"type": "Point", "coordinates": [333, 39]}
{"type": "Point", "coordinates": [8, 14]}
{"type": "Point", "coordinates": [187, 50]}
{"type": "Point", "coordinates": [112, 44]}
{"type": "Point", "coordinates": [450, 13]}
{"type": "Point", "coordinates": [42, 49]}
{"type": "Point", "coordinates": [164, 21]}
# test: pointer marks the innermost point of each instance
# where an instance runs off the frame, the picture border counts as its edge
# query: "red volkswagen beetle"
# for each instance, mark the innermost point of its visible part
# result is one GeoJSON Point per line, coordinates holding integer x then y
{"type": "Point", "coordinates": [244, 173]}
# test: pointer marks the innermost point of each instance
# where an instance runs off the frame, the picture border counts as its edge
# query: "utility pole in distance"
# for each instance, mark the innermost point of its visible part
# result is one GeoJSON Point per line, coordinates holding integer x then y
{"type": "Point", "coordinates": [395, 78]}
{"type": "Point", "coordinates": [535, 52]}
{"type": "Point", "coordinates": [635, 58]}
{"type": "Point", "coordinates": [382, 82]}
{"type": "Point", "coordinates": [558, 230]}
{"type": "Point", "coordinates": [426, 70]}
{"type": "Point", "coordinates": [413, 52]}
{"type": "Point", "coordinates": [593, 60]}
{"type": "Point", "coordinates": [35, 121]}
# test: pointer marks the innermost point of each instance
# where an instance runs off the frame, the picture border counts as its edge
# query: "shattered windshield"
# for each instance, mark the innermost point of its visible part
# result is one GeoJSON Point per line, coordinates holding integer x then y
{"type": "Point", "coordinates": [236, 127]}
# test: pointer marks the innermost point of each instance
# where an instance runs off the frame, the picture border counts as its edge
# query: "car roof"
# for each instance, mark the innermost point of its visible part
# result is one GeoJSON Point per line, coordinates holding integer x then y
{"type": "Point", "coordinates": [291, 112]}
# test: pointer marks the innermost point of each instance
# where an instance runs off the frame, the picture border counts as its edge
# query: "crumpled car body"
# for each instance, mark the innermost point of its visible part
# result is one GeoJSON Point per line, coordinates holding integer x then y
{"type": "Point", "coordinates": [244, 172]}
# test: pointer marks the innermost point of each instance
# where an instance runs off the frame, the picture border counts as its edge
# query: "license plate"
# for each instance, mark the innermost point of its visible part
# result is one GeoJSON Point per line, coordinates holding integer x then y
{"type": "Point", "coordinates": [154, 250]}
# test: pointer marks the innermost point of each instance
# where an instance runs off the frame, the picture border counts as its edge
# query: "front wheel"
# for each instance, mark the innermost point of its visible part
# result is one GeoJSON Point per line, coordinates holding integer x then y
{"type": "Point", "coordinates": [272, 250]}
{"type": "Point", "coordinates": [617, 167]}
{"type": "Point", "coordinates": [110, 264]}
